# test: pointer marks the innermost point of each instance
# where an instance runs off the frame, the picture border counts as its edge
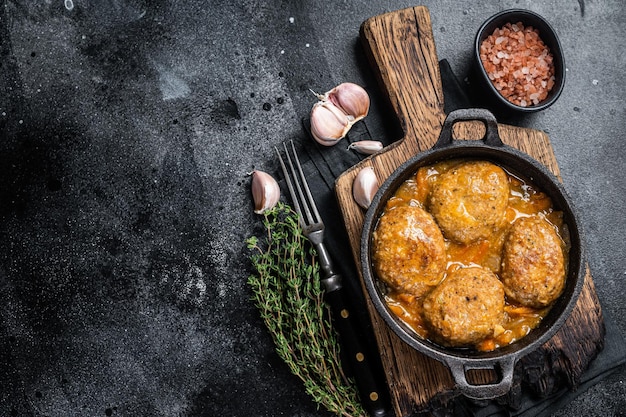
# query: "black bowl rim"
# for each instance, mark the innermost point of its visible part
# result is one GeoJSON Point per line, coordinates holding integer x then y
{"type": "Point", "coordinates": [548, 35]}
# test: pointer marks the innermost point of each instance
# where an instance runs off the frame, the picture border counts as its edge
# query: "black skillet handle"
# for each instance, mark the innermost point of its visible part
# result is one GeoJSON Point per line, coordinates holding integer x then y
{"type": "Point", "coordinates": [504, 367]}
{"type": "Point", "coordinates": [491, 137]}
{"type": "Point", "coordinates": [372, 390]}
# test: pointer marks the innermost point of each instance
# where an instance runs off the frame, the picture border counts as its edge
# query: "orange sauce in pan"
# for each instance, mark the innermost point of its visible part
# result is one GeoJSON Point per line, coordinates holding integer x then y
{"type": "Point", "coordinates": [524, 199]}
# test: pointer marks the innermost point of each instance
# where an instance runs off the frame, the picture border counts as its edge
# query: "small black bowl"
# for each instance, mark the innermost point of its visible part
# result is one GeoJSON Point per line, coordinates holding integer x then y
{"type": "Point", "coordinates": [549, 37]}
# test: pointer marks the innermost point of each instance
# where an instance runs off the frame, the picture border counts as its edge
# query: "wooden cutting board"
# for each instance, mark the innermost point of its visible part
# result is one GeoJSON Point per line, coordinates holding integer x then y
{"type": "Point", "coordinates": [402, 52]}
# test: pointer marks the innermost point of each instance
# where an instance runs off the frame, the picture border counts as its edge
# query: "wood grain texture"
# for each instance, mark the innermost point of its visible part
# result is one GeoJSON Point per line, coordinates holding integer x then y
{"type": "Point", "coordinates": [401, 49]}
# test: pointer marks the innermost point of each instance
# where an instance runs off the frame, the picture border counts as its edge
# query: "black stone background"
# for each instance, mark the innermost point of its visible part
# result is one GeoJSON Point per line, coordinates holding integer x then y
{"type": "Point", "coordinates": [127, 129]}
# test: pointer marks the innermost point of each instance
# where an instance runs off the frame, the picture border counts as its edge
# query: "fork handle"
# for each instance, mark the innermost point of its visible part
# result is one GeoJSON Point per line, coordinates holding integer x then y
{"type": "Point", "coordinates": [372, 392]}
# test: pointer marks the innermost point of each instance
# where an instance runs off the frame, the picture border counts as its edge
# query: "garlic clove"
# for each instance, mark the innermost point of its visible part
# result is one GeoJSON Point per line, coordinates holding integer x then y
{"type": "Point", "coordinates": [366, 147]}
{"type": "Point", "coordinates": [328, 123]}
{"type": "Point", "coordinates": [364, 187]}
{"type": "Point", "coordinates": [265, 191]}
{"type": "Point", "coordinates": [351, 98]}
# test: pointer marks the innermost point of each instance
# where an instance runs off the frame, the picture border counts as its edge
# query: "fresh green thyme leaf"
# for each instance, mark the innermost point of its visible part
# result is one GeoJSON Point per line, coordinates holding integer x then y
{"type": "Point", "coordinates": [252, 242]}
{"type": "Point", "coordinates": [288, 294]}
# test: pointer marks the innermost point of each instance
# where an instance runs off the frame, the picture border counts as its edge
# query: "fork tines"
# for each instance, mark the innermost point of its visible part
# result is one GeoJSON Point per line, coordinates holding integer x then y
{"type": "Point", "coordinates": [298, 187]}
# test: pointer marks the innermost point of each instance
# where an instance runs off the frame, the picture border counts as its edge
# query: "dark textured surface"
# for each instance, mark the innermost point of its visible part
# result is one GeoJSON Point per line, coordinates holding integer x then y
{"type": "Point", "coordinates": [127, 130]}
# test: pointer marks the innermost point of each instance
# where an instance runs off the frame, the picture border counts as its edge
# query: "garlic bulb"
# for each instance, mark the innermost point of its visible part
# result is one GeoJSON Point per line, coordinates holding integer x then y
{"type": "Point", "coordinates": [351, 98]}
{"type": "Point", "coordinates": [364, 187]}
{"type": "Point", "coordinates": [336, 111]}
{"type": "Point", "coordinates": [265, 191]}
{"type": "Point", "coordinates": [366, 147]}
{"type": "Point", "coordinates": [328, 123]}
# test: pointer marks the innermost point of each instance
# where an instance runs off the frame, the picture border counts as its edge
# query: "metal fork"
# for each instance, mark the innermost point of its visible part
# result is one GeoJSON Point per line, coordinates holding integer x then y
{"type": "Point", "coordinates": [308, 216]}
{"type": "Point", "coordinates": [372, 395]}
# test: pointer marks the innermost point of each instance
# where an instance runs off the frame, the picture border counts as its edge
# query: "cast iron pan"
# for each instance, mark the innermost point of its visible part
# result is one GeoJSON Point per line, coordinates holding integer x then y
{"type": "Point", "coordinates": [489, 148]}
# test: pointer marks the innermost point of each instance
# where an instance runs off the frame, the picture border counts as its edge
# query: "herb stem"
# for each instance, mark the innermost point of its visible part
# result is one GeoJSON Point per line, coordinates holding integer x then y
{"type": "Point", "coordinates": [290, 299]}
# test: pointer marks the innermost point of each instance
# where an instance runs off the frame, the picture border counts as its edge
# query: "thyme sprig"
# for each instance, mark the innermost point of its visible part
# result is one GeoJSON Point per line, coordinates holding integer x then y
{"type": "Point", "coordinates": [287, 291]}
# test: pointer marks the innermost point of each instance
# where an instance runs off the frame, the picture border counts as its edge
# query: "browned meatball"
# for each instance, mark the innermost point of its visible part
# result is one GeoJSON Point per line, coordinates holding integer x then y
{"type": "Point", "coordinates": [465, 308]}
{"type": "Point", "coordinates": [409, 252]}
{"type": "Point", "coordinates": [533, 265]}
{"type": "Point", "coordinates": [469, 200]}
